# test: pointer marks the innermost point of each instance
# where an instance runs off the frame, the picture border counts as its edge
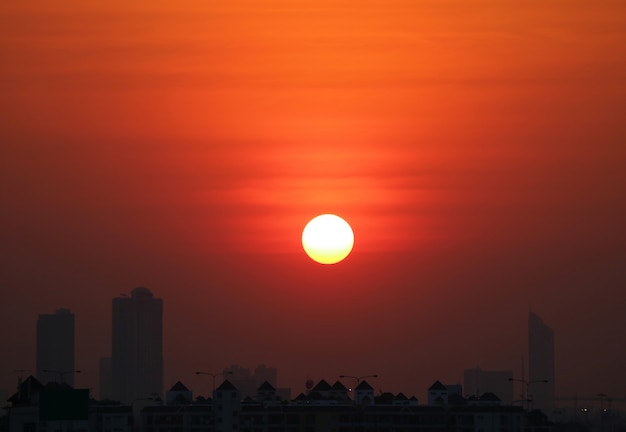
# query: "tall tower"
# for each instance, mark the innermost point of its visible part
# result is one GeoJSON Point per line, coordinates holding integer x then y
{"type": "Point", "coordinates": [55, 347]}
{"type": "Point", "coordinates": [137, 346]}
{"type": "Point", "coordinates": [540, 363]}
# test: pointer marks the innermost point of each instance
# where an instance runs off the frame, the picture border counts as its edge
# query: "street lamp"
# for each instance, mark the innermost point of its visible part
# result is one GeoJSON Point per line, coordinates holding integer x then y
{"type": "Point", "coordinates": [528, 397]}
{"type": "Point", "coordinates": [357, 379]}
{"type": "Point", "coordinates": [213, 375]}
{"type": "Point", "coordinates": [603, 410]}
{"type": "Point", "coordinates": [60, 373]}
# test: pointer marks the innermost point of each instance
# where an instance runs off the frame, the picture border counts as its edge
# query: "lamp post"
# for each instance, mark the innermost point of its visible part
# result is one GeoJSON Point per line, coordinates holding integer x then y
{"type": "Point", "coordinates": [60, 373]}
{"type": "Point", "coordinates": [602, 396]}
{"type": "Point", "coordinates": [357, 379]}
{"type": "Point", "coordinates": [213, 375]}
{"type": "Point", "coordinates": [528, 397]}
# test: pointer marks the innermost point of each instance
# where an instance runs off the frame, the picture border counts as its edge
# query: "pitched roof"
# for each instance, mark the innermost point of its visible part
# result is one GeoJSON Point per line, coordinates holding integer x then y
{"type": "Point", "coordinates": [266, 386]}
{"type": "Point", "coordinates": [363, 385]}
{"type": "Point", "coordinates": [179, 387]}
{"type": "Point", "coordinates": [401, 397]}
{"type": "Point", "coordinates": [437, 386]}
{"type": "Point", "coordinates": [321, 386]}
{"type": "Point", "coordinates": [30, 384]}
{"type": "Point", "coordinates": [339, 386]}
{"type": "Point", "coordinates": [226, 385]}
{"type": "Point", "coordinates": [300, 397]}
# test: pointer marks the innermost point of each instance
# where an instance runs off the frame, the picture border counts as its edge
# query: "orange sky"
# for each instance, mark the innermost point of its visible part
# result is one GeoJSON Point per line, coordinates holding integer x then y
{"type": "Point", "coordinates": [197, 138]}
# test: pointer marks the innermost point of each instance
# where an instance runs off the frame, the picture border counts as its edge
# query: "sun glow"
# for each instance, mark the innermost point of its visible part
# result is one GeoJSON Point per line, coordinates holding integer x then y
{"type": "Point", "coordinates": [327, 239]}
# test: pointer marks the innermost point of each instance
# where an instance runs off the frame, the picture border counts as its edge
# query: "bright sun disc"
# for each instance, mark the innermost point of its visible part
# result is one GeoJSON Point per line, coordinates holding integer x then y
{"type": "Point", "coordinates": [327, 239]}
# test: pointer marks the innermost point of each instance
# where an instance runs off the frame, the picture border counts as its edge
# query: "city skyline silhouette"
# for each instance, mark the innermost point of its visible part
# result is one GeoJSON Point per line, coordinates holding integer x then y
{"type": "Point", "coordinates": [133, 398]}
{"type": "Point", "coordinates": [137, 320]}
{"type": "Point", "coordinates": [475, 149]}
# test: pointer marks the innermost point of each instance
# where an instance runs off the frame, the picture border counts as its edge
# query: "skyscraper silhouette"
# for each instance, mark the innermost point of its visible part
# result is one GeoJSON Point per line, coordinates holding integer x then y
{"type": "Point", "coordinates": [540, 363]}
{"type": "Point", "coordinates": [137, 346]}
{"type": "Point", "coordinates": [105, 372]}
{"type": "Point", "coordinates": [55, 347]}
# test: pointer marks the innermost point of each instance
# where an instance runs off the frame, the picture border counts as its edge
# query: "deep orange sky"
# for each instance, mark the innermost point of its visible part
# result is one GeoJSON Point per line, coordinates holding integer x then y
{"type": "Point", "coordinates": [477, 149]}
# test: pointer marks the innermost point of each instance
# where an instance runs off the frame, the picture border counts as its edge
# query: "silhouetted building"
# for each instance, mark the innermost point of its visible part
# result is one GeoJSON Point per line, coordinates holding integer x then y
{"type": "Point", "coordinates": [247, 383]}
{"type": "Point", "coordinates": [477, 381]}
{"type": "Point", "coordinates": [319, 411]}
{"type": "Point", "coordinates": [178, 394]}
{"type": "Point", "coordinates": [264, 373]}
{"type": "Point", "coordinates": [540, 363]}
{"type": "Point", "coordinates": [137, 346]}
{"type": "Point", "coordinates": [60, 408]}
{"type": "Point", "coordinates": [364, 394]}
{"type": "Point", "coordinates": [444, 394]}
{"type": "Point", "coordinates": [55, 347]}
{"type": "Point", "coordinates": [105, 378]}
{"type": "Point", "coordinates": [227, 405]}
{"type": "Point", "coordinates": [241, 378]}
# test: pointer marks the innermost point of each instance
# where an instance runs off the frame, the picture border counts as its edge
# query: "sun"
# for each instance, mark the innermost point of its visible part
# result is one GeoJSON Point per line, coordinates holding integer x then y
{"type": "Point", "coordinates": [327, 239]}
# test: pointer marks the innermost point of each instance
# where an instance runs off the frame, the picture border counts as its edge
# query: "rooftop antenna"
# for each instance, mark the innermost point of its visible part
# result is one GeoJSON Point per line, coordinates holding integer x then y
{"type": "Point", "coordinates": [20, 379]}
{"type": "Point", "coordinates": [20, 376]}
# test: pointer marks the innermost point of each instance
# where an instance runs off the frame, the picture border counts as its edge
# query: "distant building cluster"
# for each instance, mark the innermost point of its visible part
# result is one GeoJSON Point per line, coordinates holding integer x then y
{"type": "Point", "coordinates": [324, 407]}
{"type": "Point", "coordinates": [247, 383]}
{"type": "Point", "coordinates": [134, 369]}
{"type": "Point", "coordinates": [131, 390]}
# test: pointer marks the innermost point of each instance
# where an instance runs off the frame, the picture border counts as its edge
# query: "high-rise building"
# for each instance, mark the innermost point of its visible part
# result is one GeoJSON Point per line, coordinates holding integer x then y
{"type": "Point", "coordinates": [105, 378]}
{"type": "Point", "coordinates": [540, 363]}
{"type": "Point", "coordinates": [55, 347]}
{"type": "Point", "coordinates": [137, 346]}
